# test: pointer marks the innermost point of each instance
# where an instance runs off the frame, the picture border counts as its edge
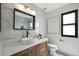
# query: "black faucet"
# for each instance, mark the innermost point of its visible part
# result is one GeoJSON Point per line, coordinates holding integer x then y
{"type": "Point", "coordinates": [27, 33]}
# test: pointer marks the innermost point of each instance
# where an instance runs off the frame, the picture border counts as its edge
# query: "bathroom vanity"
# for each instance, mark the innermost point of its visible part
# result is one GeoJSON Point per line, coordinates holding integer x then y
{"type": "Point", "coordinates": [40, 49]}
{"type": "Point", "coordinates": [19, 48]}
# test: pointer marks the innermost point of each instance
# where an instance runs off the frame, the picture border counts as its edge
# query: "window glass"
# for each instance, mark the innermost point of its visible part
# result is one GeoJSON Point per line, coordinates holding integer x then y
{"type": "Point", "coordinates": [69, 30]}
{"type": "Point", "coordinates": [69, 18]}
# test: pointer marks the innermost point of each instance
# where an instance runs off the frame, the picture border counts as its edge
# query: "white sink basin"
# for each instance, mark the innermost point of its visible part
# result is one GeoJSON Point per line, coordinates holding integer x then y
{"type": "Point", "coordinates": [29, 41]}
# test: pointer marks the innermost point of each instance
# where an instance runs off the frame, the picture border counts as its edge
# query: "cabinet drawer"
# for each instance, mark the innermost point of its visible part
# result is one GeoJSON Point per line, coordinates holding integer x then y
{"type": "Point", "coordinates": [32, 51]}
{"type": "Point", "coordinates": [43, 49]}
{"type": "Point", "coordinates": [43, 45]}
{"type": "Point", "coordinates": [37, 49]}
{"type": "Point", "coordinates": [22, 53]}
{"type": "Point", "coordinates": [43, 52]}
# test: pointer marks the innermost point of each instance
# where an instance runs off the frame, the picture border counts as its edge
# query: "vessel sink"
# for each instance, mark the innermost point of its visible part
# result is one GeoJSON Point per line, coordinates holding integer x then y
{"type": "Point", "coordinates": [29, 41]}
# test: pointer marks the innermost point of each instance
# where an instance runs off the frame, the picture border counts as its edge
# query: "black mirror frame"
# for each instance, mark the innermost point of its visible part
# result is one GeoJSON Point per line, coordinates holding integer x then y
{"type": "Point", "coordinates": [23, 13]}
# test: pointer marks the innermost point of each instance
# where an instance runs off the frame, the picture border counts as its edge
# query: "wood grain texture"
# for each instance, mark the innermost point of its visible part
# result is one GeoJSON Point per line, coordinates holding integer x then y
{"type": "Point", "coordinates": [22, 53]}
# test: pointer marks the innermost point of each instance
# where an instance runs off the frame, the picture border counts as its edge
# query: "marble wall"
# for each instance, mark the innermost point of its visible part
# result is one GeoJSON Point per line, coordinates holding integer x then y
{"type": "Point", "coordinates": [7, 31]}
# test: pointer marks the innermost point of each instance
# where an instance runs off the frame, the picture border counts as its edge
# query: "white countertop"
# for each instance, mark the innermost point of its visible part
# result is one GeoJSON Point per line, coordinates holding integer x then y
{"type": "Point", "coordinates": [17, 46]}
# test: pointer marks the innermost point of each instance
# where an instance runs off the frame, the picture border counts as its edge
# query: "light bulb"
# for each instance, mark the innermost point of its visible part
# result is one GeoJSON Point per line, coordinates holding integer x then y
{"type": "Point", "coordinates": [28, 9]}
{"type": "Point", "coordinates": [33, 12]}
{"type": "Point", "coordinates": [21, 7]}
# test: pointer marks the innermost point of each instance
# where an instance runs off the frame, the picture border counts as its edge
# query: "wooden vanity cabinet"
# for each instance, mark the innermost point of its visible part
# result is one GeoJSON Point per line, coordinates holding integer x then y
{"type": "Point", "coordinates": [43, 49]}
{"type": "Point", "coordinates": [22, 53]}
{"type": "Point", "coordinates": [32, 51]}
{"type": "Point", "coordinates": [37, 50]}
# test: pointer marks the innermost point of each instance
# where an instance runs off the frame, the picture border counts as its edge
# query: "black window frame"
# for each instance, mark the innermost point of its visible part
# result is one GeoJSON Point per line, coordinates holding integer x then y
{"type": "Point", "coordinates": [75, 24]}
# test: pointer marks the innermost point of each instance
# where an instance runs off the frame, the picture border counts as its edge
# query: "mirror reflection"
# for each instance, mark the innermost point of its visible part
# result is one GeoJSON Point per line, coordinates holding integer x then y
{"type": "Point", "coordinates": [23, 20]}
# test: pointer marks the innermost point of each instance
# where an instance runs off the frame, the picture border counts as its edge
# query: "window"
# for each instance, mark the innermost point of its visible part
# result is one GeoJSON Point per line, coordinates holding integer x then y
{"type": "Point", "coordinates": [69, 24]}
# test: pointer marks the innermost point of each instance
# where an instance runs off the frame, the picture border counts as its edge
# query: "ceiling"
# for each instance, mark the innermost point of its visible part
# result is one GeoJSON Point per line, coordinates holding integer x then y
{"type": "Point", "coordinates": [48, 7]}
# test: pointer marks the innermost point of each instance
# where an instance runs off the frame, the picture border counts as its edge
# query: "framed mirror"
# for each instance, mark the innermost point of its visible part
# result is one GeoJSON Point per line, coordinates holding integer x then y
{"type": "Point", "coordinates": [23, 20]}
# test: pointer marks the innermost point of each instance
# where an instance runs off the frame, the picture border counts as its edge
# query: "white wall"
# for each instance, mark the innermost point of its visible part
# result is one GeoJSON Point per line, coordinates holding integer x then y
{"type": "Point", "coordinates": [7, 31]}
{"type": "Point", "coordinates": [69, 45]}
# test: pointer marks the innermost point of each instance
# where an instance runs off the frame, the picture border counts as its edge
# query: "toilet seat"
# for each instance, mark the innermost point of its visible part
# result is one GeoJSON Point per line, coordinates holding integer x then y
{"type": "Point", "coordinates": [52, 46]}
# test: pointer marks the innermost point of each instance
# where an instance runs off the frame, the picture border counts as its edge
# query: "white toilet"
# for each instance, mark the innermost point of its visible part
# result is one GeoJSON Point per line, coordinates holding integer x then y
{"type": "Point", "coordinates": [52, 49]}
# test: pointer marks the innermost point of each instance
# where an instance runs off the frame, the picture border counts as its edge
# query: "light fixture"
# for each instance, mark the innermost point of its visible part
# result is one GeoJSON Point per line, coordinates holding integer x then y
{"type": "Point", "coordinates": [25, 8]}
{"type": "Point", "coordinates": [28, 9]}
{"type": "Point", "coordinates": [33, 12]}
{"type": "Point", "coordinates": [21, 7]}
